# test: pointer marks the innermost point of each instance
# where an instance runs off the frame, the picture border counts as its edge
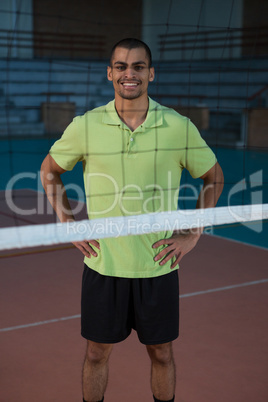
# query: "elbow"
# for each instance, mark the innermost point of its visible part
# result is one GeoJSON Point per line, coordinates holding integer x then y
{"type": "Point", "coordinates": [44, 170]}
{"type": "Point", "coordinates": [218, 183]}
{"type": "Point", "coordinates": [50, 171]}
{"type": "Point", "coordinates": [220, 178]}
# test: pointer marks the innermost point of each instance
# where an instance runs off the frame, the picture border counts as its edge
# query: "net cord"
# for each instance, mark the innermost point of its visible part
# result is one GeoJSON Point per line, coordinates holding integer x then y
{"type": "Point", "coordinates": [54, 233]}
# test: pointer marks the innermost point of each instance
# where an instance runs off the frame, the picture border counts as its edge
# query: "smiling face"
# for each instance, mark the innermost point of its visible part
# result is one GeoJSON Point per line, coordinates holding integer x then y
{"type": "Point", "coordinates": [130, 73]}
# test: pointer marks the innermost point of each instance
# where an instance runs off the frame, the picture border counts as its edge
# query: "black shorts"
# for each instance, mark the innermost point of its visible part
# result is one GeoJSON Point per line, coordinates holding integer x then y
{"type": "Point", "coordinates": [112, 306]}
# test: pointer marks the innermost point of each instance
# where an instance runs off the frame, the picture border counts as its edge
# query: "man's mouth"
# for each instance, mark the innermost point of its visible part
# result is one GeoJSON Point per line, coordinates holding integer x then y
{"type": "Point", "coordinates": [129, 85]}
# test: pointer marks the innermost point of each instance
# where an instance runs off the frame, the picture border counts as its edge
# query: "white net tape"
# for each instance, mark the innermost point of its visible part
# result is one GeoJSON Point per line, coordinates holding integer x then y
{"type": "Point", "coordinates": [48, 234]}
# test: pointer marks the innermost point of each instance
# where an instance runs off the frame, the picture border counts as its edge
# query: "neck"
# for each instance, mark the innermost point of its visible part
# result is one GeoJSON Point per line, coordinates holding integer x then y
{"type": "Point", "coordinates": [132, 112]}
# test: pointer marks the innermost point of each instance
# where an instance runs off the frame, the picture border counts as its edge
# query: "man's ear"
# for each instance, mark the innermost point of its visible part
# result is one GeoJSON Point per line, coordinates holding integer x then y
{"type": "Point", "coordinates": [109, 73]}
{"type": "Point", "coordinates": [151, 75]}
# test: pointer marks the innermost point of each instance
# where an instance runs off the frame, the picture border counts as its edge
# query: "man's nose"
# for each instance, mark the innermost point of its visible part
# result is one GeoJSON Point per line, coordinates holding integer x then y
{"type": "Point", "coordinates": [130, 73]}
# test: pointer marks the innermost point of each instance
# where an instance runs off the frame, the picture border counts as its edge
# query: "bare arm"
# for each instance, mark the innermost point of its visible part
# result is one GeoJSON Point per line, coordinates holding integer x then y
{"type": "Point", "coordinates": [212, 187]}
{"type": "Point", "coordinates": [182, 242]}
{"type": "Point", "coordinates": [51, 180]}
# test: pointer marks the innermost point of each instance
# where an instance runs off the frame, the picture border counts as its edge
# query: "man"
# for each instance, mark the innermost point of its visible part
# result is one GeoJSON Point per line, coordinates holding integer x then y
{"type": "Point", "coordinates": [133, 151]}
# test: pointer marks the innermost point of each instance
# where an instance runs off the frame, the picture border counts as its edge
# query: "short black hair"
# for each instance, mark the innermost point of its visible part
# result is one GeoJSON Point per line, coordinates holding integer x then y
{"type": "Point", "coordinates": [132, 43]}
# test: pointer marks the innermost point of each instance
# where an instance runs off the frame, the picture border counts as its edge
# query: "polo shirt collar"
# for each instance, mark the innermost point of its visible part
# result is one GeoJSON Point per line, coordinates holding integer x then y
{"type": "Point", "coordinates": [154, 116]}
{"type": "Point", "coordinates": [110, 115]}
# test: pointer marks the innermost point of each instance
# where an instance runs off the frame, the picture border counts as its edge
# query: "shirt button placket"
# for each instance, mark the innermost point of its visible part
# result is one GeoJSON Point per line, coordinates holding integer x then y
{"type": "Point", "coordinates": [130, 143]}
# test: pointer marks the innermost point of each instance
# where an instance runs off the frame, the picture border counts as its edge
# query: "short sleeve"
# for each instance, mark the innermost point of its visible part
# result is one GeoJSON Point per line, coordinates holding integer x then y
{"type": "Point", "coordinates": [67, 151]}
{"type": "Point", "coordinates": [199, 157]}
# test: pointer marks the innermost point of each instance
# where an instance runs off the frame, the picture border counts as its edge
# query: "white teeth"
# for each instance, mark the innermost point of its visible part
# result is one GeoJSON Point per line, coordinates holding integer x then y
{"type": "Point", "coordinates": [130, 84]}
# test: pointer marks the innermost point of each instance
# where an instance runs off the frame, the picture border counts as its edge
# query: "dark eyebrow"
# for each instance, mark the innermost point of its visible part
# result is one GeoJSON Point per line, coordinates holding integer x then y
{"type": "Point", "coordinates": [134, 64]}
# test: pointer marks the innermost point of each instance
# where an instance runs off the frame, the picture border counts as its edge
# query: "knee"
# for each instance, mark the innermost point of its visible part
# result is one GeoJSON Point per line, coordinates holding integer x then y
{"type": "Point", "coordinates": [161, 354]}
{"type": "Point", "coordinates": [98, 353]}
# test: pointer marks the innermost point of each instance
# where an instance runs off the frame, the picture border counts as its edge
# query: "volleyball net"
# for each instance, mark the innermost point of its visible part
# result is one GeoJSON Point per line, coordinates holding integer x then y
{"type": "Point", "coordinates": [49, 234]}
{"type": "Point", "coordinates": [211, 74]}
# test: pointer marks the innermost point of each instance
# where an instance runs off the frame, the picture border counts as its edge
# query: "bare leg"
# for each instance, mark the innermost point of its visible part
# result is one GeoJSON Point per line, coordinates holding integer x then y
{"type": "Point", "coordinates": [95, 370]}
{"type": "Point", "coordinates": [163, 375]}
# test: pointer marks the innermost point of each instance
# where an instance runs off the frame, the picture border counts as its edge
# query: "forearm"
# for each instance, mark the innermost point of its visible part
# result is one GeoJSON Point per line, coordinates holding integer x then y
{"type": "Point", "coordinates": [210, 193]}
{"type": "Point", "coordinates": [56, 195]}
{"type": "Point", "coordinates": [212, 188]}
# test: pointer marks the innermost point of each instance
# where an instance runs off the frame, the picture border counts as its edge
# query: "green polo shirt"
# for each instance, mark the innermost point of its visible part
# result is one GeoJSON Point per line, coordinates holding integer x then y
{"type": "Point", "coordinates": [130, 173]}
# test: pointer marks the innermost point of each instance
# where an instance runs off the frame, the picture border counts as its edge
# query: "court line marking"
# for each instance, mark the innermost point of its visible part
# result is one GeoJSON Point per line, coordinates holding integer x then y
{"type": "Point", "coordinates": [202, 292]}
{"type": "Point", "coordinates": [36, 324]}
{"type": "Point", "coordinates": [240, 285]}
